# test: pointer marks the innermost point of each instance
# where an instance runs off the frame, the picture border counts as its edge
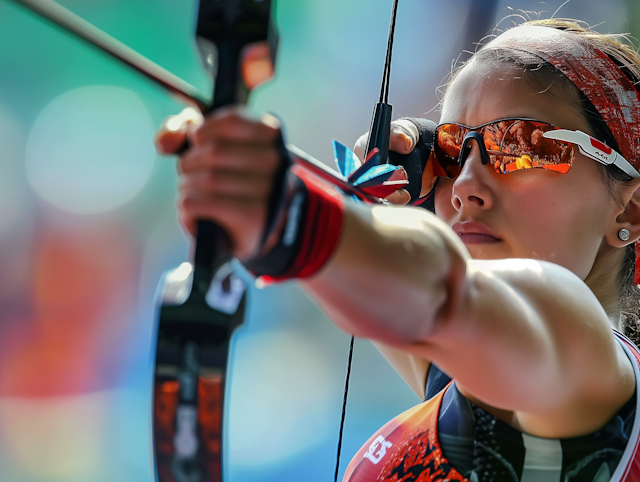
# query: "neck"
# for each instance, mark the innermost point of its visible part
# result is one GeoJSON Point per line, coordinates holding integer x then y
{"type": "Point", "coordinates": [604, 281]}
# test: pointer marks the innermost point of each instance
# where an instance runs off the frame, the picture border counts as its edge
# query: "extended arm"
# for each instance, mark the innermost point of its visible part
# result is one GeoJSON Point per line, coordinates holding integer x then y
{"type": "Point", "coordinates": [525, 337]}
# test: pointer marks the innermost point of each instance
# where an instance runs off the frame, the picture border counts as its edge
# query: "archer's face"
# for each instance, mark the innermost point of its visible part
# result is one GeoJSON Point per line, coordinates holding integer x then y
{"type": "Point", "coordinates": [535, 213]}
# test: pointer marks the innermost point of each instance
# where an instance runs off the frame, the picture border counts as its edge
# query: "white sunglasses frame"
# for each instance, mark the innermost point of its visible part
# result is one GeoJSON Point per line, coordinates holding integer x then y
{"type": "Point", "coordinates": [593, 149]}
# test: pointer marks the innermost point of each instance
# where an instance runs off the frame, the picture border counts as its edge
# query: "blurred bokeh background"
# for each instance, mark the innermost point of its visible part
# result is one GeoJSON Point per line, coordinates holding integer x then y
{"type": "Point", "coordinates": [88, 224]}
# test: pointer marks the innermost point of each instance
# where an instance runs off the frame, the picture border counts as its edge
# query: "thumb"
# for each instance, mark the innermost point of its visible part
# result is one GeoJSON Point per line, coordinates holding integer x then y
{"type": "Point", "coordinates": [172, 134]}
{"type": "Point", "coordinates": [361, 146]}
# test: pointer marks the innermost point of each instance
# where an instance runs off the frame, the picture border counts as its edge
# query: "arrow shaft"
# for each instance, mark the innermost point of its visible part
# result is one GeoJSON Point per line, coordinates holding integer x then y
{"type": "Point", "coordinates": [87, 32]}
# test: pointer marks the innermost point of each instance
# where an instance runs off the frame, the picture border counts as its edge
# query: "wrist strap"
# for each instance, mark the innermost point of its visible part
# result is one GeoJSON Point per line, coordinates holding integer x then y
{"type": "Point", "coordinates": [278, 259]}
{"type": "Point", "coordinates": [314, 218]}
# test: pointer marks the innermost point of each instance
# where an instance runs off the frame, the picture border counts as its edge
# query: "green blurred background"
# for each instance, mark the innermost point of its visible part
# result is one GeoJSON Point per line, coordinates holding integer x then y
{"type": "Point", "coordinates": [88, 224]}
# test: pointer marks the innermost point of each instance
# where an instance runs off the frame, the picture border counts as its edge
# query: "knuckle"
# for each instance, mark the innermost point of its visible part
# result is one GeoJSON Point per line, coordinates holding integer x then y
{"type": "Point", "coordinates": [204, 132]}
{"type": "Point", "coordinates": [199, 134]}
{"type": "Point", "coordinates": [183, 204]}
{"type": "Point", "coordinates": [229, 118]}
{"type": "Point", "coordinates": [210, 181]}
{"type": "Point", "coordinates": [405, 127]}
{"type": "Point", "coordinates": [188, 204]}
{"type": "Point", "coordinates": [271, 160]}
{"type": "Point", "coordinates": [180, 165]}
{"type": "Point", "coordinates": [209, 153]}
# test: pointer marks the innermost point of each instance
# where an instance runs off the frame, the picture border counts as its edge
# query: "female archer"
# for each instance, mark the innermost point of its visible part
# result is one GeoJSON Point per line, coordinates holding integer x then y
{"type": "Point", "coordinates": [512, 288]}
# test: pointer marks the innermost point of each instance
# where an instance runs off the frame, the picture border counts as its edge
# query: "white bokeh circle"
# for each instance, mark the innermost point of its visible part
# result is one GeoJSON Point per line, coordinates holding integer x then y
{"type": "Point", "coordinates": [90, 150]}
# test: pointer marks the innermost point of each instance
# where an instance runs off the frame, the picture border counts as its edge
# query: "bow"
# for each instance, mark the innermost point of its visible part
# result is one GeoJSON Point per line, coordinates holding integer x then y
{"type": "Point", "coordinates": [203, 302]}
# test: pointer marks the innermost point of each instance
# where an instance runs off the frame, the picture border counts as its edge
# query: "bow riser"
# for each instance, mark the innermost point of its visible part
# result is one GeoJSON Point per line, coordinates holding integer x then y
{"type": "Point", "coordinates": [193, 336]}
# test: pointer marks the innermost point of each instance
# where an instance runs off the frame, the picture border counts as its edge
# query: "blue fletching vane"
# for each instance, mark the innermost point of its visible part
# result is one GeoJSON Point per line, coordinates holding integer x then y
{"type": "Point", "coordinates": [346, 160]}
{"type": "Point", "coordinates": [382, 171]}
{"type": "Point", "coordinates": [373, 159]}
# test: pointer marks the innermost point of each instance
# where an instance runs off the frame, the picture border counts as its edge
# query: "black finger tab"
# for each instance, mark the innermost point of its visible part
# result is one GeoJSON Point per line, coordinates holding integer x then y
{"type": "Point", "coordinates": [415, 161]}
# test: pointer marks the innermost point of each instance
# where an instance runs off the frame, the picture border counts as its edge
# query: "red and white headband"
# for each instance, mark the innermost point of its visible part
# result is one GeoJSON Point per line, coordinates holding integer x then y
{"type": "Point", "coordinates": [596, 75]}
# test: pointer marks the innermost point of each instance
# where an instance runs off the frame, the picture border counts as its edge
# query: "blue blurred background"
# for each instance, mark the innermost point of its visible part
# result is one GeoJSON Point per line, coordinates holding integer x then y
{"type": "Point", "coordinates": [88, 224]}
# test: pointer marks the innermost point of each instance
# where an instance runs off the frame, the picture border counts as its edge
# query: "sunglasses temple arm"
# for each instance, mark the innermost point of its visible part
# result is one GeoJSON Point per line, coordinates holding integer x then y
{"type": "Point", "coordinates": [615, 159]}
{"type": "Point", "coordinates": [625, 165]}
{"type": "Point", "coordinates": [465, 148]}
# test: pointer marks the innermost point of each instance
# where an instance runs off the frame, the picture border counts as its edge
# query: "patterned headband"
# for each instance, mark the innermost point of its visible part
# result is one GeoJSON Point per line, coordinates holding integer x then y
{"type": "Point", "coordinates": [592, 71]}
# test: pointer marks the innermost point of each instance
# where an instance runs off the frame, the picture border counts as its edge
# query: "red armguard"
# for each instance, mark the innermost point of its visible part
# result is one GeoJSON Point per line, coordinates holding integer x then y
{"type": "Point", "coordinates": [321, 228]}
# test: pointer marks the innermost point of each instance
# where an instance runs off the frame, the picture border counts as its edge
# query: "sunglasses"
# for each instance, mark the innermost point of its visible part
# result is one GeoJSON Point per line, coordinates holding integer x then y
{"type": "Point", "coordinates": [516, 144]}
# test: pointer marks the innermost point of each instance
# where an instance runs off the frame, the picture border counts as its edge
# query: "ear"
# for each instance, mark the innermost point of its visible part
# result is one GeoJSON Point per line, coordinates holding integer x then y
{"type": "Point", "coordinates": [629, 219]}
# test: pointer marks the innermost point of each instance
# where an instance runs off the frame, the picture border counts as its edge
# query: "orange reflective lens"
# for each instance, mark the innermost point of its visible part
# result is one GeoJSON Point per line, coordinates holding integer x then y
{"type": "Point", "coordinates": [512, 145]}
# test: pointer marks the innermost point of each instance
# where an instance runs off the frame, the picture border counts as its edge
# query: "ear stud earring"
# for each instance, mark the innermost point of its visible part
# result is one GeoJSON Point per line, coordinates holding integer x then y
{"type": "Point", "coordinates": [623, 234]}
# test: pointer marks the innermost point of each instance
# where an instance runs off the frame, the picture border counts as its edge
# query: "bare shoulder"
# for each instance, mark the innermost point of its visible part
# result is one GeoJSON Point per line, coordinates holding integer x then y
{"type": "Point", "coordinates": [589, 377]}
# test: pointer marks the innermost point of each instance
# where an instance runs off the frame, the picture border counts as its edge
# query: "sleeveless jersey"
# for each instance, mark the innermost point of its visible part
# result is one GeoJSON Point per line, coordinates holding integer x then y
{"type": "Point", "coordinates": [407, 448]}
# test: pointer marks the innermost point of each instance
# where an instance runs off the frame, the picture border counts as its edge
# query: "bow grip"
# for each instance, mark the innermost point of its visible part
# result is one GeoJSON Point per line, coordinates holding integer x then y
{"type": "Point", "coordinates": [227, 27]}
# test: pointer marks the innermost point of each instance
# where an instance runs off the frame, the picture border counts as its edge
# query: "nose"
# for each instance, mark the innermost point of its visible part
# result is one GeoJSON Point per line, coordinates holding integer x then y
{"type": "Point", "coordinates": [470, 189]}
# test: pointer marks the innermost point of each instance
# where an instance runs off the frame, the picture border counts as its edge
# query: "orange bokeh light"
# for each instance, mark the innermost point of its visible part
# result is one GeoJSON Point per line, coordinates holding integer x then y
{"type": "Point", "coordinates": [83, 289]}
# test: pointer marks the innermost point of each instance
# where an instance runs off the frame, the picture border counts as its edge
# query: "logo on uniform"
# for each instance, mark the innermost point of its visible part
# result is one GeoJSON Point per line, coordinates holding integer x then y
{"type": "Point", "coordinates": [377, 449]}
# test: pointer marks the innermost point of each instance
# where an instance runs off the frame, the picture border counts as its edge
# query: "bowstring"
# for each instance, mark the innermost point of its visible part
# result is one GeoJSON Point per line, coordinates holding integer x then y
{"type": "Point", "coordinates": [344, 407]}
{"type": "Point", "coordinates": [384, 98]}
{"type": "Point", "coordinates": [386, 73]}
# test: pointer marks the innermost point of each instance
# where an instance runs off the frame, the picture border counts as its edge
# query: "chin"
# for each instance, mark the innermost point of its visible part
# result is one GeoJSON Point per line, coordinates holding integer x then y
{"type": "Point", "coordinates": [488, 251]}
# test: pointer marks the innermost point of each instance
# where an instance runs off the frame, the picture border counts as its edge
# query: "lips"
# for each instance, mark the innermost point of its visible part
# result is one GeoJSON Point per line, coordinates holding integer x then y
{"type": "Point", "coordinates": [474, 232]}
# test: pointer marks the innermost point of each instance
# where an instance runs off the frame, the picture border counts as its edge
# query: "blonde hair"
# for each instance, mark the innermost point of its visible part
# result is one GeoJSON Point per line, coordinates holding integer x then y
{"type": "Point", "coordinates": [619, 47]}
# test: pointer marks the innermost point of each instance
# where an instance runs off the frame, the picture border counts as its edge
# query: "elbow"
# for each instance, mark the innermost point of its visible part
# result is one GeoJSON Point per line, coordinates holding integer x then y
{"type": "Point", "coordinates": [397, 274]}
{"type": "Point", "coordinates": [444, 307]}
{"type": "Point", "coordinates": [426, 307]}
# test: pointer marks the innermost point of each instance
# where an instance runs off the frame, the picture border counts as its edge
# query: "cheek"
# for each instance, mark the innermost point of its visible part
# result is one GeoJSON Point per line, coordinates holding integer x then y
{"type": "Point", "coordinates": [444, 208]}
{"type": "Point", "coordinates": [558, 223]}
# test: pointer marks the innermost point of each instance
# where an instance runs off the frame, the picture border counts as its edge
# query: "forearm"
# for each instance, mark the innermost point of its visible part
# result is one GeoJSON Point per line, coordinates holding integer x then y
{"type": "Point", "coordinates": [396, 270]}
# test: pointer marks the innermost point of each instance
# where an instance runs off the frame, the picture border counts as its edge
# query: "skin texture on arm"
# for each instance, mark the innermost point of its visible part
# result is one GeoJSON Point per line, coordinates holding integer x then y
{"type": "Point", "coordinates": [393, 261]}
{"type": "Point", "coordinates": [413, 369]}
{"type": "Point", "coordinates": [532, 339]}
{"type": "Point", "coordinates": [525, 339]}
